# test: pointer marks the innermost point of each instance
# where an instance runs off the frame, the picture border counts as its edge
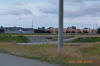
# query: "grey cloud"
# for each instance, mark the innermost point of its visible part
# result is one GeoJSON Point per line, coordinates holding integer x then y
{"type": "Point", "coordinates": [88, 9]}
{"type": "Point", "coordinates": [20, 11]}
{"type": "Point", "coordinates": [76, 1]}
{"type": "Point", "coordinates": [91, 10]}
{"type": "Point", "coordinates": [49, 10]}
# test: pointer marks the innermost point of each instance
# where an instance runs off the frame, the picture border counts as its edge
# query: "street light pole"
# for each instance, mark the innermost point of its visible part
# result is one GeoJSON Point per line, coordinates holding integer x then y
{"type": "Point", "coordinates": [60, 30]}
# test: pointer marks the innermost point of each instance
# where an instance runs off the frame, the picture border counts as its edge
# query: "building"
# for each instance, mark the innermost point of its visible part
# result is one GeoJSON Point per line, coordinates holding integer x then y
{"type": "Point", "coordinates": [12, 30]}
{"type": "Point", "coordinates": [27, 30]}
{"type": "Point", "coordinates": [18, 30]}
{"type": "Point", "coordinates": [79, 31]}
{"type": "Point", "coordinates": [71, 30]}
{"type": "Point", "coordinates": [52, 30]}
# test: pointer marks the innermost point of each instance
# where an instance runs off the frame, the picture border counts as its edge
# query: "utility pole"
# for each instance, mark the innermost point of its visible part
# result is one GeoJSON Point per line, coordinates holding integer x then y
{"type": "Point", "coordinates": [60, 29]}
{"type": "Point", "coordinates": [96, 26]}
{"type": "Point", "coordinates": [32, 26]}
{"type": "Point", "coordinates": [32, 23]}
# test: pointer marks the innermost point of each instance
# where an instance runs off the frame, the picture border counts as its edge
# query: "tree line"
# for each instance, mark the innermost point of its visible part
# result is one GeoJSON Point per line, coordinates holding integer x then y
{"type": "Point", "coordinates": [2, 29]}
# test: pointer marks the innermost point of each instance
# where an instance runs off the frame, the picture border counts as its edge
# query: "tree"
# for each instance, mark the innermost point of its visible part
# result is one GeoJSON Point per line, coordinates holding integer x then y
{"type": "Point", "coordinates": [98, 30]}
{"type": "Point", "coordinates": [73, 27]}
{"type": "Point", "coordinates": [1, 29]}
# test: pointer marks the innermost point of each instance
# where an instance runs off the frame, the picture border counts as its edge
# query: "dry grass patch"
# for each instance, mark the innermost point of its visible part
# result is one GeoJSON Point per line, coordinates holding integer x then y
{"type": "Point", "coordinates": [49, 52]}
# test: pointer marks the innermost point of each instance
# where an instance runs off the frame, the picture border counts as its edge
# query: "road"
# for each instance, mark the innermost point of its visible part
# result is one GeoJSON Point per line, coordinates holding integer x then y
{"type": "Point", "coordinates": [9, 60]}
{"type": "Point", "coordinates": [37, 40]}
{"type": "Point", "coordinates": [42, 40]}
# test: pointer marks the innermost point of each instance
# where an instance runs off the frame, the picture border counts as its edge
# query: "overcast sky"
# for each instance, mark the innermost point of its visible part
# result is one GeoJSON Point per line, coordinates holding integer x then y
{"type": "Point", "coordinates": [81, 13]}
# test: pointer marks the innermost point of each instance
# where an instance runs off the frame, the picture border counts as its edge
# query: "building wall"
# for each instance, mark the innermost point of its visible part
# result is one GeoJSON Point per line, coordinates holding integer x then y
{"type": "Point", "coordinates": [27, 32]}
{"type": "Point", "coordinates": [15, 31]}
{"type": "Point", "coordinates": [12, 32]}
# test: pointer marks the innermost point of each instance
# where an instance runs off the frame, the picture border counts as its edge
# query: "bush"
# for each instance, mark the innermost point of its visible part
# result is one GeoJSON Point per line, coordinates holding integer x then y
{"type": "Point", "coordinates": [98, 30]}
{"type": "Point", "coordinates": [10, 38]}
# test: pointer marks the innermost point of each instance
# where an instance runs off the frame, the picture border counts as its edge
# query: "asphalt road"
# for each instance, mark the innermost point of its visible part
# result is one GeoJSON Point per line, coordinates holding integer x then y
{"type": "Point", "coordinates": [42, 40]}
{"type": "Point", "coordinates": [9, 60]}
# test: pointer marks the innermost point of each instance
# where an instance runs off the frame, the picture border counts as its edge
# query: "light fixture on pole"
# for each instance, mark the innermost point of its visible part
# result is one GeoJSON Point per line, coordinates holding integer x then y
{"type": "Point", "coordinates": [60, 29]}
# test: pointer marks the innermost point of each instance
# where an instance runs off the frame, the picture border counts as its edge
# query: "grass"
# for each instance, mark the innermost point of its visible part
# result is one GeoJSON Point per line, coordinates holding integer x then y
{"type": "Point", "coordinates": [10, 38]}
{"type": "Point", "coordinates": [86, 39]}
{"type": "Point", "coordinates": [49, 53]}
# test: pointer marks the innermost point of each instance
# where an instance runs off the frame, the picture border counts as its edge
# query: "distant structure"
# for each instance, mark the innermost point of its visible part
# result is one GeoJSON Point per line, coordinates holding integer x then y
{"type": "Point", "coordinates": [51, 30]}
{"type": "Point", "coordinates": [18, 30]}
{"type": "Point", "coordinates": [1, 29]}
{"type": "Point", "coordinates": [12, 30]}
{"type": "Point", "coordinates": [41, 30]}
{"type": "Point", "coordinates": [32, 25]}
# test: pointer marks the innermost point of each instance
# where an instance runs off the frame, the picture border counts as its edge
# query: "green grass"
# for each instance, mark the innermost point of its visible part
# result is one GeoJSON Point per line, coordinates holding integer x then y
{"type": "Point", "coordinates": [87, 39]}
{"type": "Point", "coordinates": [92, 50]}
{"type": "Point", "coordinates": [10, 38]}
{"type": "Point", "coordinates": [49, 53]}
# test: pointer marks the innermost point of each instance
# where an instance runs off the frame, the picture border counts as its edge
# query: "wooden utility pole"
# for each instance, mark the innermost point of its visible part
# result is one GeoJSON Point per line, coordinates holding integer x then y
{"type": "Point", "coordinates": [60, 29]}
